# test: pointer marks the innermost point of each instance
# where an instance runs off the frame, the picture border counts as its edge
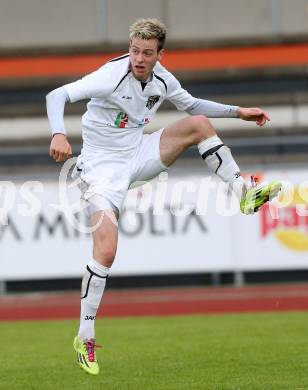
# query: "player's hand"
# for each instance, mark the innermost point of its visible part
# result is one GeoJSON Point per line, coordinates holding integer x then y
{"type": "Point", "coordinates": [253, 114]}
{"type": "Point", "coordinates": [60, 149]}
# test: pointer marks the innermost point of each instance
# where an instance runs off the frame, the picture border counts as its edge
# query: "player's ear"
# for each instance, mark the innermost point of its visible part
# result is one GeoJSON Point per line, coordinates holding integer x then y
{"type": "Point", "coordinates": [160, 54]}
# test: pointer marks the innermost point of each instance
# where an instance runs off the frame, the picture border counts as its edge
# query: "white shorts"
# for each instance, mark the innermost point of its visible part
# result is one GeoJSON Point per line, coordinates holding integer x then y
{"type": "Point", "coordinates": [105, 176]}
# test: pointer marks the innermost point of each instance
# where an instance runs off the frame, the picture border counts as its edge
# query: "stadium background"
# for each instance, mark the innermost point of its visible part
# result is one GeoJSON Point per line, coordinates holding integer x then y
{"type": "Point", "coordinates": [239, 52]}
{"type": "Point", "coordinates": [184, 290]}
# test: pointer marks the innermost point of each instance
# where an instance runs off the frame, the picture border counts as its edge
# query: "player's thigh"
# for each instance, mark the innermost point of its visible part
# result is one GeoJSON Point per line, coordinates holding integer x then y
{"type": "Point", "coordinates": [103, 180]}
{"type": "Point", "coordinates": [174, 140]}
{"type": "Point", "coordinates": [180, 135]}
{"type": "Point", "coordinates": [148, 164]}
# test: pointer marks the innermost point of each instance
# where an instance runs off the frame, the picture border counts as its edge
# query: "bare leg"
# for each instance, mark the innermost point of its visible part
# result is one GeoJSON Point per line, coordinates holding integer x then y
{"type": "Point", "coordinates": [198, 130]}
{"type": "Point", "coordinates": [182, 134]}
{"type": "Point", "coordinates": [105, 238]}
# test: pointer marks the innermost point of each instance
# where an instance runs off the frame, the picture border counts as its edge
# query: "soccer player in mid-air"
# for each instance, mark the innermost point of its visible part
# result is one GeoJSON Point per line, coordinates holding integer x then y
{"type": "Point", "coordinates": [124, 94]}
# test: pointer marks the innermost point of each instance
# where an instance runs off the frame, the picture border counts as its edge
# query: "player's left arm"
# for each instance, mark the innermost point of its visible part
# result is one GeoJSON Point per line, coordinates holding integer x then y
{"type": "Point", "coordinates": [218, 110]}
{"type": "Point", "coordinates": [254, 114]}
{"type": "Point", "coordinates": [184, 101]}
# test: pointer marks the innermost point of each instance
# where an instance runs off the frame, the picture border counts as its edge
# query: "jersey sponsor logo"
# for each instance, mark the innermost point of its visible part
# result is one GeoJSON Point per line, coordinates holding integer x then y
{"type": "Point", "coordinates": [152, 100]}
{"type": "Point", "coordinates": [144, 122]}
{"type": "Point", "coordinates": [127, 97]}
{"type": "Point", "coordinates": [121, 119]}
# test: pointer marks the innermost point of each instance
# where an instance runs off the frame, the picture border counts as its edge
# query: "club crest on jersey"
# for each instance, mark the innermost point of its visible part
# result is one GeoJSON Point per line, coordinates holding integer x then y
{"type": "Point", "coordinates": [152, 100]}
{"type": "Point", "coordinates": [121, 119]}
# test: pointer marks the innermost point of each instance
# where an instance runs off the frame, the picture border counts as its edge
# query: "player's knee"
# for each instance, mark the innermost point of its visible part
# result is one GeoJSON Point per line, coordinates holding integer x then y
{"type": "Point", "coordinates": [109, 258]}
{"type": "Point", "coordinates": [201, 128]}
{"type": "Point", "coordinates": [105, 255]}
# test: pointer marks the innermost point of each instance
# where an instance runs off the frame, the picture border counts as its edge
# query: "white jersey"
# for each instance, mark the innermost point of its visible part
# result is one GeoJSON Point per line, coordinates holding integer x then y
{"type": "Point", "coordinates": [121, 106]}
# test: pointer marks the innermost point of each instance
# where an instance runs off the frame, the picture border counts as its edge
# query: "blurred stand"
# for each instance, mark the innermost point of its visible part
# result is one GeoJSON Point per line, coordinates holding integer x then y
{"type": "Point", "coordinates": [241, 52]}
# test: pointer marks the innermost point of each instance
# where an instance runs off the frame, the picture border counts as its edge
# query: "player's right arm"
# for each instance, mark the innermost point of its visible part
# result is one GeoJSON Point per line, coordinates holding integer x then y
{"type": "Point", "coordinates": [97, 84]}
{"type": "Point", "coordinates": [60, 149]}
{"type": "Point", "coordinates": [86, 88]}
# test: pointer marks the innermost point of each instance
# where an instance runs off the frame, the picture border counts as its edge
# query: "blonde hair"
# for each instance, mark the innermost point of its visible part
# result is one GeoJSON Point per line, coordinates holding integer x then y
{"type": "Point", "coordinates": [148, 29]}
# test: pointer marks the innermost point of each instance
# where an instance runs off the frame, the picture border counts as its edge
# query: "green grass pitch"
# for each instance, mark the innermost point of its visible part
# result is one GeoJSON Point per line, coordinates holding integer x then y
{"type": "Point", "coordinates": [223, 352]}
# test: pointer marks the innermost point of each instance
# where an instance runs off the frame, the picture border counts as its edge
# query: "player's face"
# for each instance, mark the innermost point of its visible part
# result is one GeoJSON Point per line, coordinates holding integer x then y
{"type": "Point", "coordinates": [143, 56]}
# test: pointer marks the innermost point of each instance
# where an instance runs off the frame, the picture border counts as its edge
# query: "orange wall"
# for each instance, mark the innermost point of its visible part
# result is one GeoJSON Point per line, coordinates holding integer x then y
{"type": "Point", "coordinates": [175, 60]}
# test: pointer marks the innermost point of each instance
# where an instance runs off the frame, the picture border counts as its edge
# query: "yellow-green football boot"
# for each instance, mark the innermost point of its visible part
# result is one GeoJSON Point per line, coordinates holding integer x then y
{"type": "Point", "coordinates": [257, 196]}
{"type": "Point", "coordinates": [86, 357]}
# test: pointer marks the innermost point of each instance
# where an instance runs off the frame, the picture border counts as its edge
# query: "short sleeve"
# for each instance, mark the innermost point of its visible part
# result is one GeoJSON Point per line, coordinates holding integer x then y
{"type": "Point", "coordinates": [95, 85]}
{"type": "Point", "coordinates": [178, 95]}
